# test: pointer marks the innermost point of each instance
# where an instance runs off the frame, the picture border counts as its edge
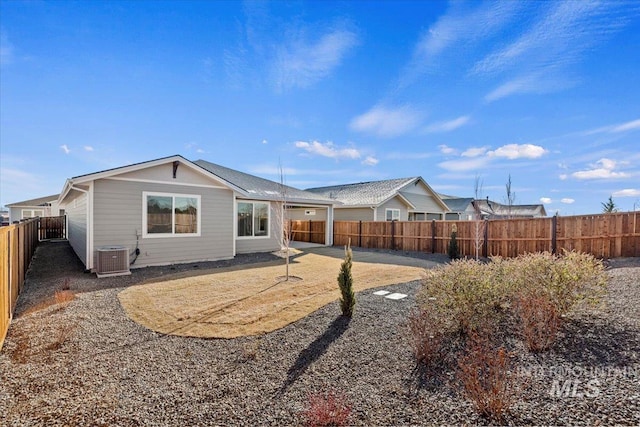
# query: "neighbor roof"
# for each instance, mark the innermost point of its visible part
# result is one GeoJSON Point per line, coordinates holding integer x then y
{"type": "Point", "coordinates": [40, 201]}
{"type": "Point", "coordinates": [457, 204]}
{"type": "Point", "coordinates": [371, 193]}
{"type": "Point", "coordinates": [500, 210]}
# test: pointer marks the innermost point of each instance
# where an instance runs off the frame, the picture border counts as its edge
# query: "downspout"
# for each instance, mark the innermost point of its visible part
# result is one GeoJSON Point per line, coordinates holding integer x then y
{"type": "Point", "coordinates": [375, 213]}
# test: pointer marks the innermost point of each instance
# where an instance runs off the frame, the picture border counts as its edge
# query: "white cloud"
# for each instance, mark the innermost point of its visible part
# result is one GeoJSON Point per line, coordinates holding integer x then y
{"type": "Point", "coordinates": [300, 63]}
{"type": "Point", "coordinates": [444, 149]}
{"type": "Point", "coordinates": [387, 122]}
{"type": "Point", "coordinates": [328, 150]}
{"type": "Point", "coordinates": [370, 161]}
{"type": "Point", "coordinates": [627, 192]}
{"type": "Point", "coordinates": [464, 165]}
{"type": "Point", "coordinates": [602, 169]}
{"type": "Point", "coordinates": [518, 151]}
{"type": "Point", "coordinates": [448, 126]}
{"type": "Point", "coordinates": [563, 176]}
{"type": "Point", "coordinates": [65, 148]}
{"type": "Point", "coordinates": [88, 148]}
{"type": "Point", "coordinates": [567, 200]}
{"type": "Point", "coordinates": [264, 141]}
{"type": "Point", "coordinates": [474, 151]}
{"type": "Point", "coordinates": [545, 200]}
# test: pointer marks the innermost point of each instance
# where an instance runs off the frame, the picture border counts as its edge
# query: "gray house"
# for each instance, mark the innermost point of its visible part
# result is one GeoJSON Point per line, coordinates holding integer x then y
{"type": "Point", "coordinates": [172, 210]}
{"type": "Point", "coordinates": [404, 199]}
{"type": "Point", "coordinates": [40, 207]}
{"type": "Point", "coordinates": [461, 208]}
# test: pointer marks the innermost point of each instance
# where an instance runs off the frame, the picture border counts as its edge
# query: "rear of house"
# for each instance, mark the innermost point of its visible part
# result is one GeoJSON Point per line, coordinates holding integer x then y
{"type": "Point", "coordinates": [172, 210]}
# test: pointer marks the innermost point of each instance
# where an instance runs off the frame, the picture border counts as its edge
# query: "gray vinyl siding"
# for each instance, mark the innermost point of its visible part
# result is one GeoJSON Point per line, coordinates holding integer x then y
{"type": "Point", "coordinates": [118, 210]}
{"type": "Point", "coordinates": [261, 244]}
{"type": "Point", "coordinates": [394, 203]}
{"type": "Point", "coordinates": [298, 214]}
{"type": "Point", "coordinates": [353, 214]}
{"type": "Point", "coordinates": [76, 211]}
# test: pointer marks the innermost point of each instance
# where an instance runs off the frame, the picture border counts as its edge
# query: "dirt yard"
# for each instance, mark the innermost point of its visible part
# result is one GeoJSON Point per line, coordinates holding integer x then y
{"type": "Point", "coordinates": [251, 300]}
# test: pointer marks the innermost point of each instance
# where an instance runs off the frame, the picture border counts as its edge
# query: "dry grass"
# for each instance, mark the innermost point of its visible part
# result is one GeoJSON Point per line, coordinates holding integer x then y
{"type": "Point", "coordinates": [248, 300]}
{"type": "Point", "coordinates": [61, 299]}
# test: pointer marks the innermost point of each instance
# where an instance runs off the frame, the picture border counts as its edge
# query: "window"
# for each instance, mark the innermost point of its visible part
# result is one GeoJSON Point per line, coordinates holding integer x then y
{"type": "Point", "coordinates": [32, 213]}
{"type": "Point", "coordinates": [167, 215]}
{"type": "Point", "coordinates": [253, 219]}
{"type": "Point", "coordinates": [392, 214]}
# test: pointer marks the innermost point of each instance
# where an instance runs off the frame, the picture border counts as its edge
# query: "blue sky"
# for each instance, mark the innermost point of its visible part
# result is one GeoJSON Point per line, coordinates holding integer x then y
{"type": "Point", "coordinates": [337, 92]}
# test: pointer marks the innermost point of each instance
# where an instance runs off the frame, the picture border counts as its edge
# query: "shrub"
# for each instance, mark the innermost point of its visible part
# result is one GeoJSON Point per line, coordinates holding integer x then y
{"type": "Point", "coordinates": [327, 409]}
{"type": "Point", "coordinates": [345, 282]}
{"type": "Point", "coordinates": [453, 251]}
{"type": "Point", "coordinates": [427, 335]}
{"type": "Point", "coordinates": [538, 320]}
{"type": "Point", "coordinates": [486, 377]}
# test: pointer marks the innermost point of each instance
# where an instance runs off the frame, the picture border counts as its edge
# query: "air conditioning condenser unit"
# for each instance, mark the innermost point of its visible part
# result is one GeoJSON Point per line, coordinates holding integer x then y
{"type": "Point", "coordinates": [112, 261]}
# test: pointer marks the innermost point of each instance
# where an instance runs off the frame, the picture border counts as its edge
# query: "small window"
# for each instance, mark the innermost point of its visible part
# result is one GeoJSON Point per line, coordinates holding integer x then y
{"type": "Point", "coordinates": [167, 215]}
{"type": "Point", "coordinates": [32, 213]}
{"type": "Point", "coordinates": [253, 219]}
{"type": "Point", "coordinates": [392, 214]}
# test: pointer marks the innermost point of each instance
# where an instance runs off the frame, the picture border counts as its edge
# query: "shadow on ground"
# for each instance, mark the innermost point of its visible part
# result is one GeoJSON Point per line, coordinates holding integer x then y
{"type": "Point", "coordinates": [315, 350]}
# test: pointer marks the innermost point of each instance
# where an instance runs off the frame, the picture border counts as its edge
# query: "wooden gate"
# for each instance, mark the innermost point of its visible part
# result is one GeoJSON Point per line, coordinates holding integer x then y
{"type": "Point", "coordinates": [52, 227]}
{"type": "Point", "coordinates": [307, 231]}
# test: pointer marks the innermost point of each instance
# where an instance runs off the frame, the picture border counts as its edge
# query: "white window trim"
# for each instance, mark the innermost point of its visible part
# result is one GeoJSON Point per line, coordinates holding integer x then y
{"type": "Point", "coordinates": [173, 234]}
{"type": "Point", "coordinates": [393, 211]}
{"type": "Point", "coordinates": [32, 213]}
{"type": "Point", "coordinates": [253, 213]}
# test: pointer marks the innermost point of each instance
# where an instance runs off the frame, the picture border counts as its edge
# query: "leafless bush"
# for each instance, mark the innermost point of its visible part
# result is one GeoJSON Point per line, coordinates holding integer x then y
{"type": "Point", "coordinates": [327, 409]}
{"type": "Point", "coordinates": [538, 320]}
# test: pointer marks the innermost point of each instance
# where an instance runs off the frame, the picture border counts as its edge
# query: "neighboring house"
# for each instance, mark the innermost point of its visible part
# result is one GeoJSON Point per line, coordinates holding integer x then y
{"type": "Point", "coordinates": [4, 218]}
{"type": "Point", "coordinates": [494, 210]}
{"type": "Point", "coordinates": [461, 208]}
{"type": "Point", "coordinates": [405, 199]}
{"type": "Point", "coordinates": [172, 210]}
{"type": "Point", "coordinates": [40, 207]}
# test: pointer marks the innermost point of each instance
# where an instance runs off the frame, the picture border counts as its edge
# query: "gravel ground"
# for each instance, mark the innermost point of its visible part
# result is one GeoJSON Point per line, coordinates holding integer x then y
{"type": "Point", "coordinates": [88, 364]}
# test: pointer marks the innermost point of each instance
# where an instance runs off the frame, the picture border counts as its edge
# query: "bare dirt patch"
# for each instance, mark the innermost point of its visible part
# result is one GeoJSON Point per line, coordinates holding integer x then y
{"type": "Point", "coordinates": [241, 301]}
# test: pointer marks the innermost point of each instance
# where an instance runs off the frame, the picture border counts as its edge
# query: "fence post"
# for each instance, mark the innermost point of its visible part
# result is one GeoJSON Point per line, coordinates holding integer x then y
{"type": "Point", "coordinates": [485, 244]}
{"type": "Point", "coordinates": [393, 235]}
{"type": "Point", "coordinates": [554, 238]}
{"type": "Point", "coordinates": [310, 231]}
{"type": "Point", "coordinates": [433, 236]}
{"type": "Point", "coordinates": [360, 234]}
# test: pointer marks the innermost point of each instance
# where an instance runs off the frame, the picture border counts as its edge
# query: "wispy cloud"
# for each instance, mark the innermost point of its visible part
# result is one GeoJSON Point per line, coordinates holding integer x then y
{"type": "Point", "coordinates": [474, 151]}
{"type": "Point", "coordinates": [617, 128]}
{"type": "Point", "coordinates": [627, 192]}
{"type": "Point", "coordinates": [328, 149]}
{"type": "Point", "coordinates": [567, 200]}
{"type": "Point", "coordinates": [538, 60]}
{"type": "Point", "coordinates": [66, 149]}
{"type": "Point", "coordinates": [6, 49]}
{"type": "Point", "coordinates": [448, 126]}
{"type": "Point", "coordinates": [370, 161]}
{"type": "Point", "coordinates": [387, 122]}
{"type": "Point", "coordinates": [88, 148]}
{"type": "Point", "coordinates": [301, 63]}
{"type": "Point", "coordinates": [602, 169]}
{"type": "Point", "coordinates": [545, 200]}
{"type": "Point", "coordinates": [445, 149]}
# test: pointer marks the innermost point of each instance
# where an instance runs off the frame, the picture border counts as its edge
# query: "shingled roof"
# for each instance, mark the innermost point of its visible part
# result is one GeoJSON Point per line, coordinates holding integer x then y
{"type": "Point", "coordinates": [371, 193]}
{"type": "Point", "coordinates": [260, 187]}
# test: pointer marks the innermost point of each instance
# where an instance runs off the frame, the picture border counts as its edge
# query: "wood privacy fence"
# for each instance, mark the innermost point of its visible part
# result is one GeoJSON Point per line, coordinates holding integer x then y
{"type": "Point", "coordinates": [604, 236]}
{"type": "Point", "coordinates": [17, 245]}
{"type": "Point", "coordinates": [307, 231]}
{"type": "Point", "coordinates": [52, 227]}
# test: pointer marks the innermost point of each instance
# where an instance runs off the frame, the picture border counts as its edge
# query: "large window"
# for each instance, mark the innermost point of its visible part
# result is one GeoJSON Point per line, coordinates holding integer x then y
{"type": "Point", "coordinates": [392, 214]}
{"type": "Point", "coordinates": [171, 215]}
{"type": "Point", "coordinates": [253, 219]}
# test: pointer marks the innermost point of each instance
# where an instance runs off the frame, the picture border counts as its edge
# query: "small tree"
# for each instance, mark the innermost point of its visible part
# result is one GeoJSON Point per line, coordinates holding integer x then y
{"type": "Point", "coordinates": [282, 222]}
{"type": "Point", "coordinates": [511, 197]}
{"type": "Point", "coordinates": [345, 282]}
{"type": "Point", "coordinates": [479, 224]}
{"type": "Point", "coordinates": [454, 252]}
{"type": "Point", "coordinates": [609, 206]}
